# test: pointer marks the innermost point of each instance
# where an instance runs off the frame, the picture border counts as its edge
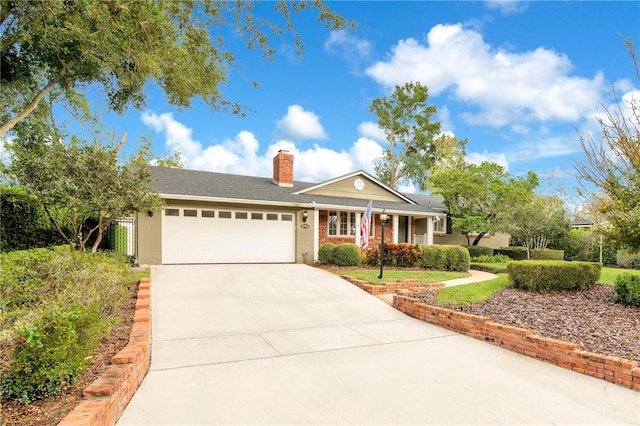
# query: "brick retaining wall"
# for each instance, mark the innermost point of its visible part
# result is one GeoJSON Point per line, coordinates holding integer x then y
{"type": "Point", "coordinates": [563, 354]}
{"type": "Point", "coordinates": [410, 284]}
{"type": "Point", "coordinates": [107, 397]}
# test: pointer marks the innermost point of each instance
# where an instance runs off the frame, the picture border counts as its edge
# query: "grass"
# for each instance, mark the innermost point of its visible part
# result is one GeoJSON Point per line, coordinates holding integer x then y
{"type": "Point", "coordinates": [472, 293]}
{"type": "Point", "coordinates": [135, 276]}
{"type": "Point", "coordinates": [371, 275]}
{"type": "Point", "coordinates": [608, 275]}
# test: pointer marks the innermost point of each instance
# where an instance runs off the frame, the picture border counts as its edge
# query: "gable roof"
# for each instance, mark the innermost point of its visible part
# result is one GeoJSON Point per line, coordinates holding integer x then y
{"type": "Point", "coordinates": [182, 184]}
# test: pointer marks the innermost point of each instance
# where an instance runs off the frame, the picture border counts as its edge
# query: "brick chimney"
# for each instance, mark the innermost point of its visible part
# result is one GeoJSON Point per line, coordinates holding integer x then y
{"type": "Point", "coordinates": [283, 168]}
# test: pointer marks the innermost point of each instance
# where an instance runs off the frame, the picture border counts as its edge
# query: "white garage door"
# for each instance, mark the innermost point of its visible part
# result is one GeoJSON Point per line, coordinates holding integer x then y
{"type": "Point", "coordinates": [200, 235]}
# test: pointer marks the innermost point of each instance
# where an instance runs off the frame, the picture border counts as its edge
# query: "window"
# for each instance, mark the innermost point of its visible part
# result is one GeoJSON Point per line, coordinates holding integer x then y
{"type": "Point", "coordinates": [344, 224]}
{"type": "Point", "coordinates": [256, 216]}
{"type": "Point", "coordinates": [272, 216]}
{"type": "Point", "coordinates": [172, 212]}
{"type": "Point", "coordinates": [440, 226]}
{"type": "Point", "coordinates": [224, 215]}
{"type": "Point", "coordinates": [208, 213]}
{"type": "Point", "coordinates": [190, 213]}
{"type": "Point", "coordinates": [287, 217]}
{"type": "Point", "coordinates": [241, 215]}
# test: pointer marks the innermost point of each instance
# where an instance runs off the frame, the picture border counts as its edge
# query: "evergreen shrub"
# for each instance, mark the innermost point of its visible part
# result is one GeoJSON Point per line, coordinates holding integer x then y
{"type": "Point", "coordinates": [514, 252]}
{"type": "Point", "coordinates": [477, 251]}
{"type": "Point", "coordinates": [627, 288]}
{"type": "Point", "coordinates": [445, 257]}
{"type": "Point", "coordinates": [547, 254]}
{"type": "Point", "coordinates": [347, 254]}
{"type": "Point", "coordinates": [552, 275]}
{"type": "Point", "coordinates": [325, 253]}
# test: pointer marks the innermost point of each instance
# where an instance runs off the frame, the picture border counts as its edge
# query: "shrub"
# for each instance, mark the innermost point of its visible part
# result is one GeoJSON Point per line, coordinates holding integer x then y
{"type": "Point", "coordinates": [54, 306]}
{"type": "Point", "coordinates": [536, 275]}
{"type": "Point", "coordinates": [347, 254]}
{"type": "Point", "coordinates": [497, 268]}
{"type": "Point", "coordinates": [325, 253]}
{"type": "Point", "coordinates": [372, 256]}
{"type": "Point", "coordinates": [514, 252]}
{"type": "Point", "coordinates": [547, 254]}
{"type": "Point", "coordinates": [628, 260]}
{"type": "Point", "coordinates": [627, 288]}
{"type": "Point", "coordinates": [498, 258]}
{"type": "Point", "coordinates": [478, 251]}
{"type": "Point", "coordinates": [402, 254]}
{"type": "Point", "coordinates": [445, 257]}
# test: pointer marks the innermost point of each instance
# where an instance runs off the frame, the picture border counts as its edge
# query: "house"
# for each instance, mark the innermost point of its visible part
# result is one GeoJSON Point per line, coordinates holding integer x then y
{"type": "Point", "coordinates": [223, 218]}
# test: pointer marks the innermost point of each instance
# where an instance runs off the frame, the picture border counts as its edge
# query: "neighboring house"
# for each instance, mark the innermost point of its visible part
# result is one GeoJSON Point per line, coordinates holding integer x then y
{"type": "Point", "coordinates": [222, 218]}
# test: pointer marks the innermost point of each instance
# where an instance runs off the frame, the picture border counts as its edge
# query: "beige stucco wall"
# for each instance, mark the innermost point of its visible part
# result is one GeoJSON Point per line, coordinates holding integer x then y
{"type": "Point", "coordinates": [149, 238]}
{"type": "Point", "coordinates": [304, 237]}
{"type": "Point", "coordinates": [457, 238]}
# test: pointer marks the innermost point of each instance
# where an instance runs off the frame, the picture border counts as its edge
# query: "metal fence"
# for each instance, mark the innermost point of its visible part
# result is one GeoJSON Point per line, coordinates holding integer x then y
{"type": "Point", "coordinates": [120, 236]}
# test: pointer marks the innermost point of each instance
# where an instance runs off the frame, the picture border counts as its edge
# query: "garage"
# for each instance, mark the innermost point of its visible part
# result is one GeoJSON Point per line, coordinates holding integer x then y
{"type": "Point", "coordinates": [210, 235]}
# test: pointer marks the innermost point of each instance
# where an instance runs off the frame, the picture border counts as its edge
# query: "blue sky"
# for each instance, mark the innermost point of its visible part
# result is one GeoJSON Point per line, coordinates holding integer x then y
{"type": "Point", "coordinates": [519, 80]}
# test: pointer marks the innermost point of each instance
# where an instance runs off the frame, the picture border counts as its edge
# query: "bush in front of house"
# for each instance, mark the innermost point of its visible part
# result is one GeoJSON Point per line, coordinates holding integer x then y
{"type": "Point", "coordinates": [402, 254]}
{"type": "Point", "coordinates": [445, 257]}
{"type": "Point", "coordinates": [514, 252]}
{"type": "Point", "coordinates": [552, 275]}
{"type": "Point", "coordinates": [498, 258]}
{"type": "Point", "coordinates": [547, 254]}
{"type": "Point", "coordinates": [478, 251]}
{"type": "Point", "coordinates": [627, 288]}
{"type": "Point", "coordinates": [54, 307]}
{"type": "Point", "coordinates": [325, 253]}
{"type": "Point", "coordinates": [628, 260]}
{"type": "Point", "coordinates": [347, 254]}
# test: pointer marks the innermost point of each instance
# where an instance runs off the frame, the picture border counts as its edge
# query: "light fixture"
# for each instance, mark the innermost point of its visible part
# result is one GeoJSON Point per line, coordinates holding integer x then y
{"type": "Point", "coordinates": [383, 220]}
{"type": "Point", "coordinates": [384, 217]}
{"type": "Point", "coordinates": [150, 213]}
{"type": "Point", "coordinates": [305, 215]}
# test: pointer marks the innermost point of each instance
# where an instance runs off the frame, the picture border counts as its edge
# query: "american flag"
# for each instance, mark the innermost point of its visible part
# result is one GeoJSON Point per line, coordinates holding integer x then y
{"type": "Point", "coordinates": [365, 224]}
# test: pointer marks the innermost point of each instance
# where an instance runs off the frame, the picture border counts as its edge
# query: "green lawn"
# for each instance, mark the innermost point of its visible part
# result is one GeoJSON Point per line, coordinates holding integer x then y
{"type": "Point", "coordinates": [371, 275]}
{"type": "Point", "coordinates": [608, 275]}
{"type": "Point", "coordinates": [472, 293]}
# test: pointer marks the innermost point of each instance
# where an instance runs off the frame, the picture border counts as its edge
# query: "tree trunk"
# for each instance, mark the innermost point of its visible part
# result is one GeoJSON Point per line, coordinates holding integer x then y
{"type": "Point", "coordinates": [478, 238]}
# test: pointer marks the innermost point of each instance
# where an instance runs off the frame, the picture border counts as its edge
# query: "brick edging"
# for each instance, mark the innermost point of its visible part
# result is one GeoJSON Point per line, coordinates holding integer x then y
{"type": "Point", "coordinates": [524, 341]}
{"type": "Point", "coordinates": [106, 398]}
{"type": "Point", "coordinates": [411, 284]}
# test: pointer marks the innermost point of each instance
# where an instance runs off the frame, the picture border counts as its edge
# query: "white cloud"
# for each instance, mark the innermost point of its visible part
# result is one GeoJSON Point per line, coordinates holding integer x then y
{"type": "Point", "coordinates": [508, 88]}
{"type": "Point", "coordinates": [371, 130]}
{"type": "Point", "coordinates": [347, 45]}
{"type": "Point", "coordinates": [299, 124]}
{"type": "Point", "coordinates": [492, 157]}
{"type": "Point", "coordinates": [547, 148]}
{"type": "Point", "coordinates": [507, 7]}
{"type": "Point", "coordinates": [240, 155]}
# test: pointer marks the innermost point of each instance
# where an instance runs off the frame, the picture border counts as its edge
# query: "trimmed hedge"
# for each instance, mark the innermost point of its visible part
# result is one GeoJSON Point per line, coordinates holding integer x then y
{"type": "Point", "coordinates": [552, 275]}
{"type": "Point", "coordinates": [477, 251]}
{"type": "Point", "coordinates": [445, 257]}
{"type": "Point", "coordinates": [325, 253]}
{"type": "Point", "coordinates": [547, 254]}
{"type": "Point", "coordinates": [627, 288]}
{"type": "Point", "coordinates": [347, 254]}
{"type": "Point", "coordinates": [514, 252]}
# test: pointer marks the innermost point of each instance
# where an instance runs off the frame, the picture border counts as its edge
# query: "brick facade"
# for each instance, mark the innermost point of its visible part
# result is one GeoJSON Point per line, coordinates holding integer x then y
{"type": "Point", "coordinates": [324, 237]}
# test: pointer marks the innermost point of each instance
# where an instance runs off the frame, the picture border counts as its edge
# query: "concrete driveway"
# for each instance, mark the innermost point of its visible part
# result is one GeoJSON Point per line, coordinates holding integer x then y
{"type": "Point", "coordinates": [290, 344]}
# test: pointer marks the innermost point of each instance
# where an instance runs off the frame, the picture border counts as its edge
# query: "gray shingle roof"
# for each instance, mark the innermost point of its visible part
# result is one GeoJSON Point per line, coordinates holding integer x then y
{"type": "Point", "coordinates": [211, 185]}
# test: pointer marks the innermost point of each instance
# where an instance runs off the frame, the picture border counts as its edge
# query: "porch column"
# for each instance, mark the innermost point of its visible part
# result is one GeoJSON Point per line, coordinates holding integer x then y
{"type": "Point", "coordinates": [395, 220]}
{"type": "Point", "coordinates": [430, 231]}
{"type": "Point", "coordinates": [316, 233]}
{"type": "Point", "coordinates": [358, 237]}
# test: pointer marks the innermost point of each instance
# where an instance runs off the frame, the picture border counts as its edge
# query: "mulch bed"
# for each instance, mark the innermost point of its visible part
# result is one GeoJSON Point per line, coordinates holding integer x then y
{"type": "Point", "coordinates": [52, 410]}
{"type": "Point", "coordinates": [589, 318]}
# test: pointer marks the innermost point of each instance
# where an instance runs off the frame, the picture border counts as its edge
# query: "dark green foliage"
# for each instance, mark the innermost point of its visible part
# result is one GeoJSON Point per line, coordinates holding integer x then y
{"type": "Point", "coordinates": [498, 258]}
{"type": "Point", "coordinates": [477, 251]}
{"type": "Point", "coordinates": [54, 306]}
{"type": "Point", "coordinates": [627, 288]}
{"type": "Point", "coordinates": [325, 253]}
{"type": "Point", "coordinates": [628, 260]}
{"type": "Point", "coordinates": [514, 252]}
{"type": "Point", "coordinates": [445, 257]}
{"type": "Point", "coordinates": [547, 254]}
{"type": "Point", "coordinates": [497, 268]}
{"type": "Point", "coordinates": [551, 275]}
{"type": "Point", "coordinates": [23, 222]}
{"type": "Point", "coordinates": [347, 254]}
{"type": "Point", "coordinates": [584, 245]}
{"type": "Point", "coordinates": [52, 352]}
{"type": "Point", "coordinates": [120, 239]}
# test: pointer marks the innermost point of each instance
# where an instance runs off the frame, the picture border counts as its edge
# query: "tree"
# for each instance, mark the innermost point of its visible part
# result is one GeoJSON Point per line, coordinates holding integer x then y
{"type": "Point", "coordinates": [81, 182]}
{"type": "Point", "coordinates": [610, 175]}
{"type": "Point", "coordinates": [479, 197]}
{"type": "Point", "coordinates": [536, 224]}
{"type": "Point", "coordinates": [120, 45]}
{"type": "Point", "coordinates": [405, 117]}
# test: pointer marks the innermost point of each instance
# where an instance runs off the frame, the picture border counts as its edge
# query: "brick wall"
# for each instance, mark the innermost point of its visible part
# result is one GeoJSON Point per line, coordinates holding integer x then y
{"type": "Point", "coordinates": [323, 231]}
{"type": "Point", "coordinates": [107, 397]}
{"type": "Point", "coordinates": [563, 354]}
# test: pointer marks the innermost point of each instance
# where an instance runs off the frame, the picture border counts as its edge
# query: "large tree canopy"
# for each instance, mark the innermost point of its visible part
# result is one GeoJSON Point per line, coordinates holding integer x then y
{"type": "Point", "coordinates": [611, 172]}
{"type": "Point", "coordinates": [479, 197]}
{"type": "Point", "coordinates": [123, 44]}
{"type": "Point", "coordinates": [414, 143]}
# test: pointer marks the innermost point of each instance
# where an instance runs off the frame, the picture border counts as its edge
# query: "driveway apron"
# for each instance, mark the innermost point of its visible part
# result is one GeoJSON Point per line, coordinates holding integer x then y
{"type": "Point", "coordinates": [291, 344]}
